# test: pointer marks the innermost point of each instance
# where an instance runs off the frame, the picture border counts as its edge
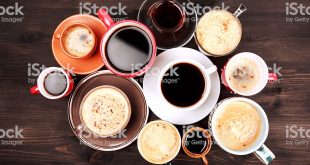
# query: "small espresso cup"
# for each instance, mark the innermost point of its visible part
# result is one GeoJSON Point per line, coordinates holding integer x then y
{"type": "Point", "coordinates": [253, 64]}
{"type": "Point", "coordinates": [53, 83]}
{"type": "Point", "coordinates": [169, 70]}
{"type": "Point", "coordinates": [128, 47]}
{"type": "Point", "coordinates": [81, 32]}
{"type": "Point", "coordinates": [167, 16]}
{"type": "Point", "coordinates": [196, 143]}
{"type": "Point", "coordinates": [257, 146]}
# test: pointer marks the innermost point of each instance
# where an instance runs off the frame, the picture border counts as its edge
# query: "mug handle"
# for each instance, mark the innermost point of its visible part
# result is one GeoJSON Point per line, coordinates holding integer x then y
{"type": "Point", "coordinates": [34, 90]}
{"type": "Point", "coordinates": [272, 77]}
{"type": "Point", "coordinates": [264, 154]}
{"type": "Point", "coordinates": [211, 70]}
{"type": "Point", "coordinates": [204, 160]}
{"type": "Point", "coordinates": [105, 18]}
{"type": "Point", "coordinates": [240, 10]}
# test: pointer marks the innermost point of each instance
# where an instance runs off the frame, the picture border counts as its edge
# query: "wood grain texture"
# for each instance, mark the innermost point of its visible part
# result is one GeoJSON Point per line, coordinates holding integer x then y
{"type": "Point", "coordinates": [48, 138]}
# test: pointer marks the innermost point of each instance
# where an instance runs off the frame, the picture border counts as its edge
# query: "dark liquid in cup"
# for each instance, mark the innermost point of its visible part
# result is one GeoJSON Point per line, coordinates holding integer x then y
{"type": "Point", "coordinates": [167, 15]}
{"type": "Point", "coordinates": [183, 85]}
{"type": "Point", "coordinates": [196, 142]}
{"type": "Point", "coordinates": [55, 83]}
{"type": "Point", "coordinates": [129, 49]}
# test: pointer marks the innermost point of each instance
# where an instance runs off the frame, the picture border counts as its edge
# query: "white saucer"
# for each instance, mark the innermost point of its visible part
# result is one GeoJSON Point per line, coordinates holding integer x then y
{"type": "Point", "coordinates": [155, 100]}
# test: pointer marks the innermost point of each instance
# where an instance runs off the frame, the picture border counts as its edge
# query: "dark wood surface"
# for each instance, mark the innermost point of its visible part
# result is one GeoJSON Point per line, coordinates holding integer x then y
{"type": "Point", "coordinates": [48, 138]}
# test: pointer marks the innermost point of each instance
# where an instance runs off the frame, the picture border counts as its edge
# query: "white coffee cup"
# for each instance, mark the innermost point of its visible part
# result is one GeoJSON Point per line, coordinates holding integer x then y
{"type": "Point", "coordinates": [258, 148]}
{"type": "Point", "coordinates": [40, 89]}
{"type": "Point", "coordinates": [206, 74]}
{"type": "Point", "coordinates": [262, 67]}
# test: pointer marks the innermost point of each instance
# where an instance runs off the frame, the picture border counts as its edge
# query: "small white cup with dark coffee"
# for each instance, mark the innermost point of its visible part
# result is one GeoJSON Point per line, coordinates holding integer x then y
{"type": "Point", "coordinates": [185, 84]}
{"type": "Point", "coordinates": [240, 127]}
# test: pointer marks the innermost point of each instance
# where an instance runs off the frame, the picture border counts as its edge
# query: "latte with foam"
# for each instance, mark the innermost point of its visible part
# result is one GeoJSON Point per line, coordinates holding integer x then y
{"type": "Point", "coordinates": [159, 142]}
{"type": "Point", "coordinates": [219, 32]}
{"type": "Point", "coordinates": [105, 111]}
{"type": "Point", "coordinates": [79, 41]}
{"type": "Point", "coordinates": [242, 74]}
{"type": "Point", "coordinates": [237, 125]}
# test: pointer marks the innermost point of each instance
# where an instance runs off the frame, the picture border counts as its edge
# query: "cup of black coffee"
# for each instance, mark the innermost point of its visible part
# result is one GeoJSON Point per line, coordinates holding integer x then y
{"type": "Point", "coordinates": [185, 84]}
{"type": "Point", "coordinates": [53, 83]}
{"type": "Point", "coordinates": [128, 48]}
{"type": "Point", "coordinates": [167, 15]}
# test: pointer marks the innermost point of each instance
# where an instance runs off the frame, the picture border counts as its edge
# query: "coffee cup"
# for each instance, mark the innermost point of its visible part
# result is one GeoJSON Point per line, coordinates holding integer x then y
{"type": "Point", "coordinates": [185, 84]}
{"type": "Point", "coordinates": [104, 112]}
{"type": "Point", "coordinates": [219, 32]}
{"type": "Point", "coordinates": [53, 83]}
{"type": "Point", "coordinates": [77, 40]}
{"type": "Point", "coordinates": [240, 127]}
{"type": "Point", "coordinates": [128, 48]}
{"type": "Point", "coordinates": [167, 16]}
{"type": "Point", "coordinates": [196, 143]}
{"type": "Point", "coordinates": [159, 142]}
{"type": "Point", "coordinates": [246, 74]}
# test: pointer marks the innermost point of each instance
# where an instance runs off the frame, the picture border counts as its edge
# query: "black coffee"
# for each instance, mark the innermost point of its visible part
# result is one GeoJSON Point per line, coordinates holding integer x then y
{"type": "Point", "coordinates": [55, 83]}
{"type": "Point", "coordinates": [167, 15]}
{"type": "Point", "coordinates": [183, 85]}
{"type": "Point", "coordinates": [196, 142]}
{"type": "Point", "coordinates": [129, 49]}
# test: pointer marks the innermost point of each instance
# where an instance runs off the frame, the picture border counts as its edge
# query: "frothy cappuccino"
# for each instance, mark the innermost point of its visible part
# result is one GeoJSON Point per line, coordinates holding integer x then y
{"type": "Point", "coordinates": [237, 125]}
{"type": "Point", "coordinates": [159, 142]}
{"type": "Point", "coordinates": [105, 111]}
{"type": "Point", "coordinates": [242, 74]}
{"type": "Point", "coordinates": [219, 32]}
{"type": "Point", "coordinates": [79, 41]}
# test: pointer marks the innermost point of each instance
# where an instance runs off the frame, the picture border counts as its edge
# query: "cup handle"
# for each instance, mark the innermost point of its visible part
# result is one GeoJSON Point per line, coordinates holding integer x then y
{"type": "Point", "coordinates": [211, 70]}
{"type": "Point", "coordinates": [204, 160]}
{"type": "Point", "coordinates": [272, 77]}
{"type": "Point", "coordinates": [264, 154]}
{"type": "Point", "coordinates": [240, 10]}
{"type": "Point", "coordinates": [34, 90]}
{"type": "Point", "coordinates": [105, 17]}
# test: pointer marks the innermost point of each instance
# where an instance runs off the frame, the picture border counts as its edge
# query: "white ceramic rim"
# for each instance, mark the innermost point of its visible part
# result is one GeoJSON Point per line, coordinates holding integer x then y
{"type": "Point", "coordinates": [263, 132]}
{"type": "Point", "coordinates": [206, 91]}
{"type": "Point", "coordinates": [263, 69]}
{"type": "Point", "coordinates": [41, 78]}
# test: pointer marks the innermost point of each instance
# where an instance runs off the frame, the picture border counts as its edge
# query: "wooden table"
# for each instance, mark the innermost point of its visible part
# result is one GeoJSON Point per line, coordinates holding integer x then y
{"type": "Point", "coordinates": [47, 135]}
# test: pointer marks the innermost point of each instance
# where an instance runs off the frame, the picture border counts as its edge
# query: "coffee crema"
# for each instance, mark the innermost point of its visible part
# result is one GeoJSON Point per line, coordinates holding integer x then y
{"type": "Point", "coordinates": [242, 74]}
{"type": "Point", "coordinates": [79, 41]}
{"type": "Point", "coordinates": [219, 32]}
{"type": "Point", "coordinates": [55, 83]}
{"type": "Point", "coordinates": [105, 111]}
{"type": "Point", "coordinates": [237, 125]}
{"type": "Point", "coordinates": [159, 142]}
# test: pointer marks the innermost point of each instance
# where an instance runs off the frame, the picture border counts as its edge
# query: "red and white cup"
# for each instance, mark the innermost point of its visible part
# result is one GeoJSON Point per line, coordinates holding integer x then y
{"type": "Point", "coordinates": [115, 26]}
{"type": "Point", "coordinates": [40, 89]}
{"type": "Point", "coordinates": [265, 76]}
